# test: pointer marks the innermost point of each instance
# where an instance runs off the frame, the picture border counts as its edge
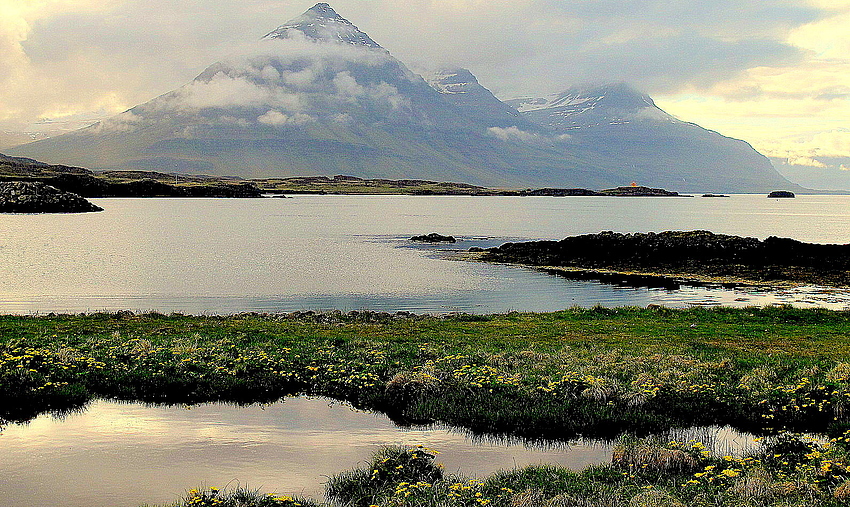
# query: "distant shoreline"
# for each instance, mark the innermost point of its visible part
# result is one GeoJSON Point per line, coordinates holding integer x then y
{"type": "Point", "coordinates": [91, 184]}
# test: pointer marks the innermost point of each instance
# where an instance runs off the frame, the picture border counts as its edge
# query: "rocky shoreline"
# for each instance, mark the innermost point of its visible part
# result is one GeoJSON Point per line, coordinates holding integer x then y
{"type": "Point", "coordinates": [688, 257]}
{"type": "Point", "coordinates": [86, 183]}
{"type": "Point", "coordinates": [36, 197]}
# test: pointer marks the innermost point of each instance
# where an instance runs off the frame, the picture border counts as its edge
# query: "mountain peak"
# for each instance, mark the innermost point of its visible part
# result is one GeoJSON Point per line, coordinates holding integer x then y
{"type": "Point", "coordinates": [323, 9]}
{"type": "Point", "coordinates": [452, 80]}
{"type": "Point", "coordinates": [619, 97]}
{"type": "Point", "coordinates": [321, 23]}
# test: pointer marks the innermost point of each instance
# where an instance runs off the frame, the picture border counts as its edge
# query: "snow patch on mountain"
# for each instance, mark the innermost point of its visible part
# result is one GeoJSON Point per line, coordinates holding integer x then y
{"type": "Point", "coordinates": [451, 82]}
{"type": "Point", "coordinates": [577, 108]}
{"type": "Point", "coordinates": [322, 23]}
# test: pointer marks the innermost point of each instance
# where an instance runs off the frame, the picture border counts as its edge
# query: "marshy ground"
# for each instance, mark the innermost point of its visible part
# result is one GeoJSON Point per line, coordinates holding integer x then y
{"type": "Point", "coordinates": [582, 372]}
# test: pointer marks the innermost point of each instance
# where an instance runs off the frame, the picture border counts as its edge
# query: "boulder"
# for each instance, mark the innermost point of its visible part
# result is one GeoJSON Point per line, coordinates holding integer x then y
{"type": "Point", "coordinates": [37, 197]}
{"type": "Point", "coordinates": [434, 238]}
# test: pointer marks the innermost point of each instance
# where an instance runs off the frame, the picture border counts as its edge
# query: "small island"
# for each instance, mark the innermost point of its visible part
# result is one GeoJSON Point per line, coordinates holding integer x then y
{"type": "Point", "coordinates": [692, 256]}
{"type": "Point", "coordinates": [434, 238]}
{"type": "Point", "coordinates": [640, 191]}
{"type": "Point", "coordinates": [781, 194]}
{"type": "Point", "coordinates": [36, 197]}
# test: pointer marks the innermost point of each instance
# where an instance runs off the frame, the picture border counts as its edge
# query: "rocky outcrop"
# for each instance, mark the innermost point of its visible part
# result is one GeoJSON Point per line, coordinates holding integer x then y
{"type": "Point", "coordinates": [36, 197]}
{"type": "Point", "coordinates": [639, 192]}
{"type": "Point", "coordinates": [694, 252]}
{"type": "Point", "coordinates": [434, 238]}
{"type": "Point", "coordinates": [561, 192]}
{"type": "Point", "coordinates": [92, 186]}
{"type": "Point", "coordinates": [121, 183]}
{"type": "Point", "coordinates": [781, 194]}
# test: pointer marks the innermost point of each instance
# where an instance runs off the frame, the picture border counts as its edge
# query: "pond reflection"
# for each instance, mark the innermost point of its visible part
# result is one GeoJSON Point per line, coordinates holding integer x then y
{"type": "Point", "coordinates": [120, 454]}
{"type": "Point", "coordinates": [117, 454]}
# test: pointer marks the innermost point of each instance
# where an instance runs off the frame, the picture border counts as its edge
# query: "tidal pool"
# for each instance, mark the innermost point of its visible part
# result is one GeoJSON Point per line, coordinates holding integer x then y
{"type": "Point", "coordinates": [126, 455]}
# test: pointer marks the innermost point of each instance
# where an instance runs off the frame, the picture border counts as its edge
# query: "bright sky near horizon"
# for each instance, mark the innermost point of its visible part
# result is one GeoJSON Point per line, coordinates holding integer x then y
{"type": "Point", "coordinates": [775, 73]}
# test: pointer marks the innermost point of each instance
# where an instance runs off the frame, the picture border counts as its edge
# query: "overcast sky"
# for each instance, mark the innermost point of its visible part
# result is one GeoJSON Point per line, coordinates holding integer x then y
{"type": "Point", "coordinates": [773, 72]}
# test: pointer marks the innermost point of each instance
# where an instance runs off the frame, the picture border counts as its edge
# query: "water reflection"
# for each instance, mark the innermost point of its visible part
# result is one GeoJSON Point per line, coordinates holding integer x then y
{"type": "Point", "coordinates": [119, 454]}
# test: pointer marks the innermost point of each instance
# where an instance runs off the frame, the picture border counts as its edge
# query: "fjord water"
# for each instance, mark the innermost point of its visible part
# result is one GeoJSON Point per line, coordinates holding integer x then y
{"type": "Point", "coordinates": [351, 252]}
{"type": "Point", "coordinates": [125, 455]}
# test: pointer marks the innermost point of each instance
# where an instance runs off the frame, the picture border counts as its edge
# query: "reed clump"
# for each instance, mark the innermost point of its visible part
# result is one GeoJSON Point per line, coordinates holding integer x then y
{"type": "Point", "coordinates": [239, 497]}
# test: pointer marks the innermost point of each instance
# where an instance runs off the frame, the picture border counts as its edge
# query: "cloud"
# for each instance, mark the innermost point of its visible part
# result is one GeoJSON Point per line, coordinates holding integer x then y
{"type": "Point", "coordinates": [223, 90]}
{"type": "Point", "coordinates": [805, 161]}
{"type": "Point", "coordinates": [348, 88]}
{"type": "Point", "coordinates": [774, 72]}
{"type": "Point", "coordinates": [827, 173]}
{"type": "Point", "coordinates": [514, 134]}
{"type": "Point", "coordinates": [276, 118]}
{"type": "Point", "coordinates": [292, 76]}
{"type": "Point", "coordinates": [73, 55]}
{"type": "Point", "coordinates": [812, 150]}
{"type": "Point", "coordinates": [123, 122]}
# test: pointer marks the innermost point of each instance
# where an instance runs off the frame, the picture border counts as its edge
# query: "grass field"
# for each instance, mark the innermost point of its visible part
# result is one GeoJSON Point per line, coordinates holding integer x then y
{"type": "Point", "coordinates": [592, 372]}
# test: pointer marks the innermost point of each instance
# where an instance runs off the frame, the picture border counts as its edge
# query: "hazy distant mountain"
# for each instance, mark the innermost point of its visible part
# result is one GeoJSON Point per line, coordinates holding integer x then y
{"type": "Point", "coordinates": [319, 96]}
{"type": "Point", "coordinates": [617, 127]}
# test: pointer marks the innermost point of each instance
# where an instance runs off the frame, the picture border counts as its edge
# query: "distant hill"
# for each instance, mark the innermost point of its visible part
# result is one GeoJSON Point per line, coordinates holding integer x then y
{"type": "Point", "coordinates": [319, 96]}
{"type": "Point", "coordinates": [616, 126]}
{"type": "Point", "coordinates": [120, 184]}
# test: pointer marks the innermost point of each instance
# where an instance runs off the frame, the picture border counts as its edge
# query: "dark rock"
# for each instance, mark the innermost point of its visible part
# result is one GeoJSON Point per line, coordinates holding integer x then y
{"type": "Point", "coordinates": [781, 194]}
{"type": "Point", "coordinates": [36, 197]}
{"type": "Point", "coordinates": [699, 252]}
{"type": "Point", "coordinates": [639, 192]}
{"type": "Point", "coordinates": [714, 195]}
{"type": "Point", "coordinates": [561, 192]}
{"type": "Point", "coordinates": [434, 238]}
{"type": "Point", "coordinates": [476, 249]}
{"type": "Point", "coordinates": [119, 183]}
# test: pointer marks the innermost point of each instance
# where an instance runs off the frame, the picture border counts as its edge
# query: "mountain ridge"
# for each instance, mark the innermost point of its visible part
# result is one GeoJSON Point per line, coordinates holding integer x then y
{"type": "Point", "coordinates": [319, 96]}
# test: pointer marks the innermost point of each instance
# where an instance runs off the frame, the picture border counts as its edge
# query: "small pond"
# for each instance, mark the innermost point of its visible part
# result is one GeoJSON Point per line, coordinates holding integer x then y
{"type": "Point", "coordinates": [126, 455]}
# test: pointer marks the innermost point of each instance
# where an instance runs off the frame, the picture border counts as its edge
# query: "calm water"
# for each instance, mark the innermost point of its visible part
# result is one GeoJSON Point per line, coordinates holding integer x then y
{"type": "Point", "coordinates": [350, 252]}
{"type": "Point", "coordinates": [318, 252]}
{"type": "Point", "coordinates": [126, 455]}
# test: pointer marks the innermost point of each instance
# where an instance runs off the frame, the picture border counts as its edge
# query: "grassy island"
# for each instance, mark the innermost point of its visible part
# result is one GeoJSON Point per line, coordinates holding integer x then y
{"type": "Point", "coordinates": [581, 372]}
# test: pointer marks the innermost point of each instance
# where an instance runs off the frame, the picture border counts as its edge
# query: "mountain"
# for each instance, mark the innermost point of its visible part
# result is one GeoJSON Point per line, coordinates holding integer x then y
{"type": "Point", "coordinates": [616, 126]}
{"type": "Point", "coordinates": [319, 96]}
{"type": "Point", "coordinates": [462, 89]}
{"type": "Point", "coordinates": [322, 23]}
